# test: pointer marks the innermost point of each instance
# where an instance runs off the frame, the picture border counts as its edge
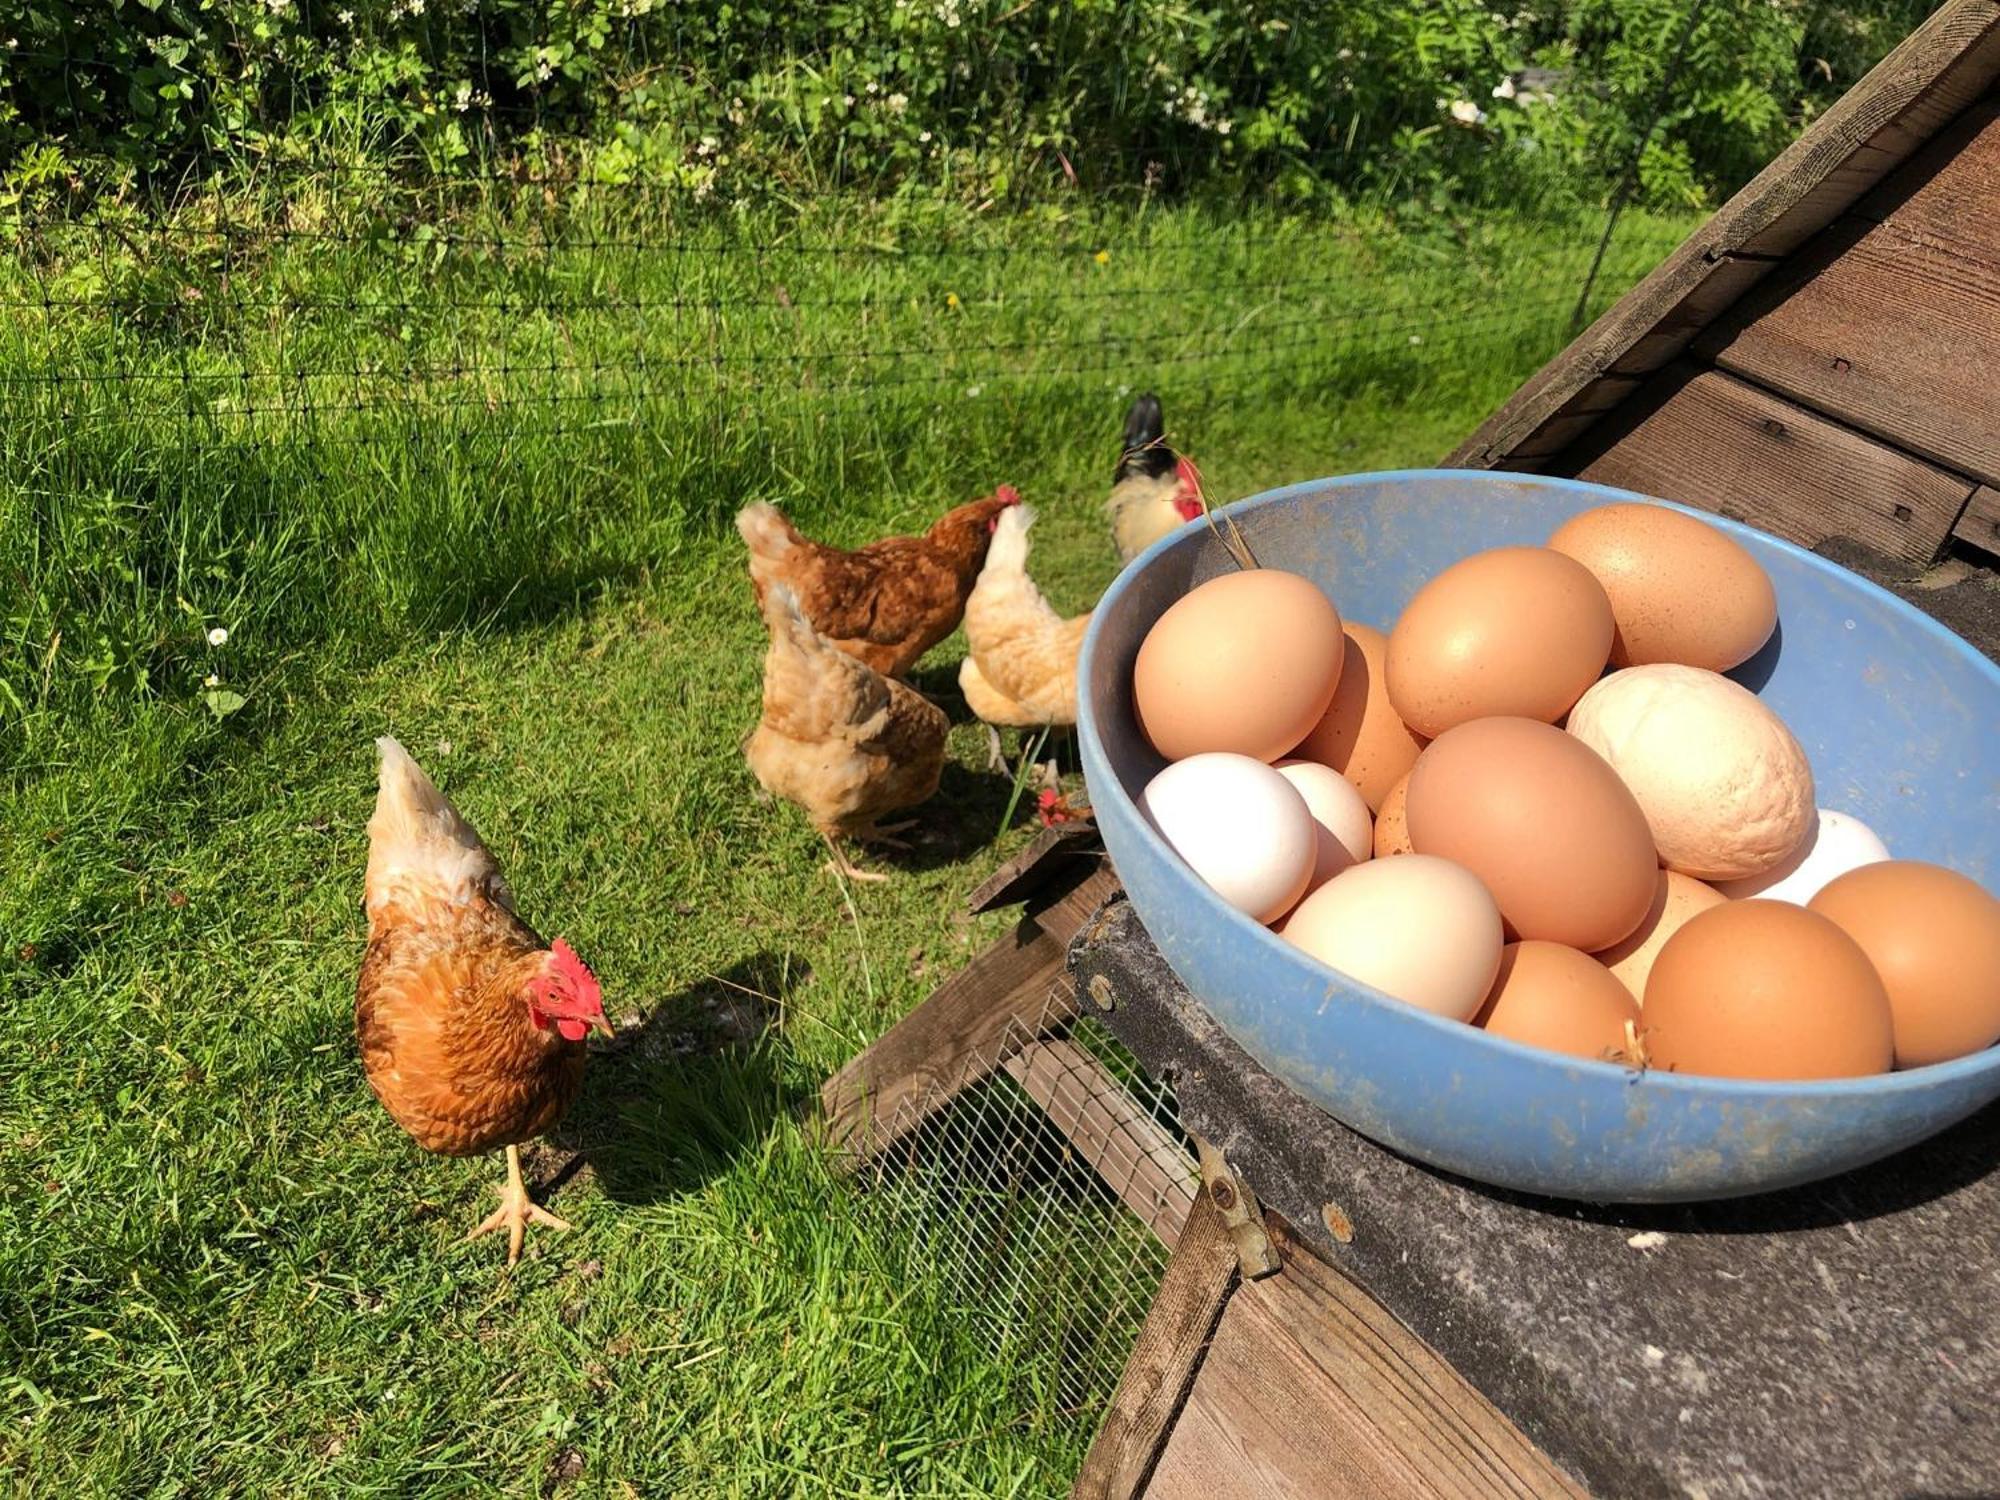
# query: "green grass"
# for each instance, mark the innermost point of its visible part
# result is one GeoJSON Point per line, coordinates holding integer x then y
{"type": "Point", "coordinates": [223, 1270]}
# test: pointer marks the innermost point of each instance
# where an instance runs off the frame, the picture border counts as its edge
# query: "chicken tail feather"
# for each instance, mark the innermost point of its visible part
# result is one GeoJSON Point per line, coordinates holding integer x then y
{"type": "Point", "coordinates": [417, 837]}
{"type": "Point", "coordinates": [1008, 552]}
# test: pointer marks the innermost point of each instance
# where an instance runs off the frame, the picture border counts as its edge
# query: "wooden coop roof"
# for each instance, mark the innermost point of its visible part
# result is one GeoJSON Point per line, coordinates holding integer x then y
{"type": "Point", "coordinates": [1822, 357]}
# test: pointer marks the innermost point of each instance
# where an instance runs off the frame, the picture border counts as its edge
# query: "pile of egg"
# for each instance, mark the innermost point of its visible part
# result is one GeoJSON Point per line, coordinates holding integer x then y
{"type": "Point", "coordinates": [1471, 815]}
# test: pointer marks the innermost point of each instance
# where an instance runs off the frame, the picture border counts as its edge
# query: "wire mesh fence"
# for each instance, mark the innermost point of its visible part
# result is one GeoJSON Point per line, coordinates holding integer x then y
{"type": "Point", "coordinates": [1038, 1194]}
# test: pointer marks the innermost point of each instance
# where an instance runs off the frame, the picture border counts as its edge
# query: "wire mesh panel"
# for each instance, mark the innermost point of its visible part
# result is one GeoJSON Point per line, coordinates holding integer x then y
{"type": "Point", "coordinates": [1040, 1192]}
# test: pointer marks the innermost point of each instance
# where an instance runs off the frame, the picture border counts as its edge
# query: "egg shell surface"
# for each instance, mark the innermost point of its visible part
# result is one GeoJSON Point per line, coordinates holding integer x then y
{"type": "Point", "coordinates": [1765, 989]}
{"type": "Point", "coordinates": [1392, 824]}
{"type": "Point", "coordinates": [1544, 822]}
{"type": "Point", "coordinates": [1934, 937]}
{"type": "Point", "coordinates": [1423, 930]}
{"type": "Point", "coordinates": [1554, 997]}
{"type": "Point", "coordinates": [1835, 844]}
{"type": "Point", "coordinates": [1680, 590]}
{"type": "Point", "coordinates": [1725, 787]}
{"type": "Point", "coordinates": [1360, 735]}
{"type": "Point", "coordinates": [1515, 631]}
{"type": "Point", "coordinates": [1344, 833]}
{"type": "Point", "coordinates": [1676, 899]}
{"type": "Point", "coordinates": [1242, 827]}
{"type": "Point", "coordinates": [1246, 662]}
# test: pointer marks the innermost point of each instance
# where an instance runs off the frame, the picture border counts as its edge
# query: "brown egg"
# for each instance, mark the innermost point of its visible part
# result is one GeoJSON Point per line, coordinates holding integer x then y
{"type": "Point", "coordinates": [1360, 735]}
{"type": "Point", "coordinates": [1934, 937]}
{"type": "Point", "coordinates": [1392, 823]}
{"type": "Point", "coordinates": [1676, 898]}
{"type": "Point", "coordinates": [1555, 997]}
{"type": "Point", "coordinates": [1518, 631]}
{"type": "Point", "coordinates": [1680, 590]}
{"type": "Point", "coordinates": [1246, 663]}
{"type": "Point", "coordinates": [1766, 989]}
{"type": "Point", "coordinates": [1539, 817]}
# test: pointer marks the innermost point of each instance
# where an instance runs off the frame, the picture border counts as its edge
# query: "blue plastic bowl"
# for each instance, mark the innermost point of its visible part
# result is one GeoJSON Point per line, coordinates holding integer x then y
{"type": "Point", "coordinates": [1900, 717]}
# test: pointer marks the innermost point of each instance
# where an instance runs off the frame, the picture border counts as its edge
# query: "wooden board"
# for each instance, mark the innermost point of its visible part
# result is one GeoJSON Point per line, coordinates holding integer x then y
{"type": "Point", "coordinates": [1311, 1389]}
{"type": "Point", "coordinates": [1705, 438]}
{"type": "Point", "coordinates": [1170, 1345]}
{"type": "Point", "coordinates": [1980, 524]}
{"type": "Point", "coordinates": [1138, 1160]}
{"type": "Point", "coordinates": [1024, 874]}
{"type": "Point", "coordinates": [1940, 70]}
{"type": "Point", "coordinates": [967, 1027]}
{"type": "Point", "coordinates": [1894, 326]}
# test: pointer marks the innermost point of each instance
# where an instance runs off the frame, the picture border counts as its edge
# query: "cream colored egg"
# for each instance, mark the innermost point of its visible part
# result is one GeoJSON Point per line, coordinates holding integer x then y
{"type": "Point", "coordinates": [1419, 928]}
{"type": "Point", "coordinates": [1726, 789]}
{"type": "Point", "coordinates": [1346, 835]}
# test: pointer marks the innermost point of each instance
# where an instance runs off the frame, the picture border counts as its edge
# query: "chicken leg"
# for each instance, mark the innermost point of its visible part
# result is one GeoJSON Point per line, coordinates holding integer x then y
{"type": "Point", "coordinates": [516, 1211]}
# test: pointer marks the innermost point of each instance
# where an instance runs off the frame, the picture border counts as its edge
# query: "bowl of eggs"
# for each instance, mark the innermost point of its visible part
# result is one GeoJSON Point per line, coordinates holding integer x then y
{"type": "Point", "coordinates": [1571, 841]}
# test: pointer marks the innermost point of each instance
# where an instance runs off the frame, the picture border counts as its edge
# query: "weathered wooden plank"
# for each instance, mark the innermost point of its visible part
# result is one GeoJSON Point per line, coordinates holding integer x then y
{"type": "Point", "coordinates": [1712, 440]}
{"type": "Point", "coordinates": [965, 1029]}
{"type": "Point", "coordinates": [1894, 327]}
{"type": "Point", "coordinates": [1953, 180]}
{"type": "Point", "coordinates": [1310, 1388]}
{"type": "Point", "coordinates": [1130, 1150]}
{"type": "Point", "coordinates": [1979, 523]}
{"type": "Point", "coordinates": [1441, 1427]}
{"type": "Point", "coordinates": [1262, 1423]}
{"type": "Point", "coordinates": [1026, 872]}
{"type": "Point", "coordinates": [1163, 1360]}
{"type": "Point", "coordinates": [1938, 71]}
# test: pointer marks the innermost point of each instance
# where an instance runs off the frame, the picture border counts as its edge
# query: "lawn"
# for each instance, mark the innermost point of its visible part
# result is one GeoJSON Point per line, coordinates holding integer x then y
{"type": "Point", "coordinates": [474, 490]}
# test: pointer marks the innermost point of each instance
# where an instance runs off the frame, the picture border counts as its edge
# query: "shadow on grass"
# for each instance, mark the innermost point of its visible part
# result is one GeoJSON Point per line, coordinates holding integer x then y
{"type": "Point", "coordinates": [670, 1103]}
{"type": "Point", "coordinates": [963, 817]}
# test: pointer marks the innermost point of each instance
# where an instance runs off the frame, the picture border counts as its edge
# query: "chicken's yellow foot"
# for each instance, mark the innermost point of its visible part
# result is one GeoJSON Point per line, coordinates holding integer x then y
{"type": "Point", "coordinates": [516, 1211]}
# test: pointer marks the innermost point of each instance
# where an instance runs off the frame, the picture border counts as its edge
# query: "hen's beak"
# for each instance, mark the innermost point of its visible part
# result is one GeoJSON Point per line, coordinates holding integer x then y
{"type": "Point", "coordinates": [603, 1023]}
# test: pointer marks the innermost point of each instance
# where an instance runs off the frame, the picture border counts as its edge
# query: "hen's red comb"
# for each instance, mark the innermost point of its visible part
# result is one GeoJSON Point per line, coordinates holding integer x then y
{"type": "Point", "coordinates": [1006, 494]}
{"type": "Point", "coordinates": [573, 974]}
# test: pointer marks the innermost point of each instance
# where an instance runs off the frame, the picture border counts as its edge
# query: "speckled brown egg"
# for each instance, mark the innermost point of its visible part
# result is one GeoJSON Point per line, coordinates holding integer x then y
{"type": "Point", "coordinates": [1517, 632]}
{"type": "Point", "coordinates": [1680, 590]}
{"type": "Point", "coordinates": [1360, 735]}
{"type": "Point", "coordinates": [1766, 989]}
{"type": "Point", "coordinates": [1555, 997]}
{"type": "Point", "coordinates": [1934, 937]}
{"type": "Point", "coordinates": [1245, 663]}
{"type": "Point", "coordinates": [1392, 823]}
{"type": "Point", "coordinates": [1539, 817]}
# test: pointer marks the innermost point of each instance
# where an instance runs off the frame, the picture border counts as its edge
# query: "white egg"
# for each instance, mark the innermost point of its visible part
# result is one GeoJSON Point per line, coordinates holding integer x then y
{"type": "Point", "coordinates": [1835, 844]}
{"type": "Point", "coordinates": [1346, 834]}
{"type": "Point", "coordinates": [1242, 827]}
{"type": "Point", "coordinates": [1417, 927]}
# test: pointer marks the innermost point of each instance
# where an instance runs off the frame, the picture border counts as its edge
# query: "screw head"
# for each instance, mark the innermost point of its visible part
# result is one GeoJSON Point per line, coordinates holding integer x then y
{"type": "Point", "coordinates": [1223, 1194]}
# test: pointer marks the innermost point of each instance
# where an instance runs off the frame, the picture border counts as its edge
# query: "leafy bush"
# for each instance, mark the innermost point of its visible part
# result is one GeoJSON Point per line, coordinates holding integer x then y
{"type": "Point", "coordinates": [988, 98]}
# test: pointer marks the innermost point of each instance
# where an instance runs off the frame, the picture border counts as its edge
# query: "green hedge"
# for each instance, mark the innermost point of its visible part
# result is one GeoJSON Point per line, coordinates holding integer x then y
{"type": "Point", "coordinates": [989, 98]}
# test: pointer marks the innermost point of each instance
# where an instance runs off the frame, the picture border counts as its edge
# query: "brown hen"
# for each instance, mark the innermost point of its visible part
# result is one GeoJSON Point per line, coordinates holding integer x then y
{"type": "Point", "coordinates": [471, 1027]}
{"type": "Point", "coordinates": [886, 603]}
{"type": "Point", "coordinates": [837, 738]}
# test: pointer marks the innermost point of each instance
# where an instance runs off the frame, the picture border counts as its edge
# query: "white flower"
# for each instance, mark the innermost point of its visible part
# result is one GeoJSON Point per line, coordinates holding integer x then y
{"type": "Point", "coordinates": [211, 680]}
{"type": "Point", "coordinates": [1124, 391]}
{"type": "Point", "coordinates": [974, 390]}
{"type": "Point", "coordinates": [848, 100]}
{"type": "Point", "coordinates": [1222, 127]}
{"type": "Point", "coordinates": [1467, 113]}
{"type": "Point", "coordinates": [899, 102]}
{"type": "Point", "coordinates": [346, 18]}
{"type": "Point", "coordinates": [277, 7]}
{"type": "Point", "coordinates": [543, 72]}
{"type": "Point", "coordinates": [462, 100]}
{"type": "Point", "coordinates": [1345, 54]}
{"type": "Point", "coordinates": [1416, 338]}
{"type": "Point", "coordinates": [874, 87]}
{"type": "Point", "coordinates": [217, 636]}
{"type": "Point", "coordinates": [923, 135]}
{"type": "Point", "coordinates": [1504, 89]}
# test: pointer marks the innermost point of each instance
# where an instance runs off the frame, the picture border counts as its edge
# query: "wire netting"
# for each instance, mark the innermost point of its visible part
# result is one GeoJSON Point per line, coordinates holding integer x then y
{"type": "Point", "coordinates": [1037, 1194]}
